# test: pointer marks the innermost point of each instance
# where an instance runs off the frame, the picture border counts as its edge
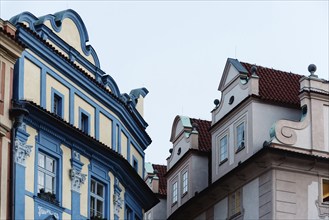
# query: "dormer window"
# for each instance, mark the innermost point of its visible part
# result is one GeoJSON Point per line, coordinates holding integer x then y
{"type": "Point", "coordinates": [240, 138]}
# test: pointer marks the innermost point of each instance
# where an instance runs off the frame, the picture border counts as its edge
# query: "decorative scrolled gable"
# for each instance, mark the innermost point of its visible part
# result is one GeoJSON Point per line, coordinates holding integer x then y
{"type": "Point", "coordinates": [67, 25]}
{"type": "Point", "coordinates": [67, 33]}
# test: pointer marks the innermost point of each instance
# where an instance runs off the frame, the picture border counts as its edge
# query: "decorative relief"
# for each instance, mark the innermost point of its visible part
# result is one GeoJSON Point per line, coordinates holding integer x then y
{"type": "Point", "coordinates": [323, 209]}
{"type": "Point", "coordinates": [76, 155]}
{"type": "Point", "coordinates": [21, 151]}
{"type": "Point", "coordinates": [117, 200]}
{"type": "Point", "coordinates": [117, 203]}
{"type": "Point", "coordinates": [44, 211]}
{"type": "Point", "coordinates": [77, 179]}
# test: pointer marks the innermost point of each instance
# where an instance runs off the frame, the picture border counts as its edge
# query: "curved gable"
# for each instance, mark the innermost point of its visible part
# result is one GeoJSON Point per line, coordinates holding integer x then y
{"type": "Point", "coordinates": [181, 124]}
{"type": "Point", "coordinates": [69, 26]}
{"type": "Point", "coordinates": [67, 32]}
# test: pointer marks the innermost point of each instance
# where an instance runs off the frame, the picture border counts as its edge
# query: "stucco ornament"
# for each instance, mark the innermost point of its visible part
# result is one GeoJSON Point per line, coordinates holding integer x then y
{"type": "Point", "coordinates": [45, 211]}
{"type": "Point", "coordinates": [117, 200]}
{"type": "Point", "coordinates": [285, 131]}
{"type": "Point", "coordinates": [117, 203]}
{"type": "Point", "coordinates": [77, 179]}
{"type": "Point", "coordinates": [21, 151]}
{"type": "Point", "coordinates": [323, 209]}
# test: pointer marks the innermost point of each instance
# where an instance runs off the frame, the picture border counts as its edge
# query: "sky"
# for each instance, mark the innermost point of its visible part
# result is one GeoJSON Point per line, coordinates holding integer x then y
{"type": "Point", "coordinates": [178, 49]}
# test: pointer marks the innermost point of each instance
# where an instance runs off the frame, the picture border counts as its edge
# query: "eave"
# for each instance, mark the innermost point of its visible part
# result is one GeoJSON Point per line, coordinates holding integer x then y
{"type": "Point", "coordinates": [87, 145]}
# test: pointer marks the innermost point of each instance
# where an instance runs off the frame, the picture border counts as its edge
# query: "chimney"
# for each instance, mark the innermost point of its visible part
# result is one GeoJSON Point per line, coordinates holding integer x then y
{"type": "Point", "coordinates": [155, 182]}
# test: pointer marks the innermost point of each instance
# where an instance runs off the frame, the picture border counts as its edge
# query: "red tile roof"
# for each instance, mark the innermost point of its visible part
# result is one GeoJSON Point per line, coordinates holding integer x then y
{"type": "Point", "coordinates": [276, 85]}
{"type": "Point", "coordinates": [204, 134]}
{"type": "Point", "coordinates": [162, 169]}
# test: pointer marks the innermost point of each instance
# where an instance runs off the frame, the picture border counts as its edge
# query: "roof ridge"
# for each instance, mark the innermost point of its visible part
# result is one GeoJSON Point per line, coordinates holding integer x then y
{"type": "Point", "coordinates": [271, 68]}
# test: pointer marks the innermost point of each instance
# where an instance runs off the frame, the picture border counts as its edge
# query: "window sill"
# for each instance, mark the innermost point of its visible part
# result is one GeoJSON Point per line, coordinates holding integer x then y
{"type": "Point", "coordinates": [184, 194]}
{"type": "Point", "coordinates": [235, 216]}
{"type": "Point", "coordinates": [48, 197]}
{"type": "Point", "coordinates": [175, 203]}
{"type": "Point", "coordinates": [223, 161]}
{"type": "Point", "coordinates": [48, 205]}
{"type": "Point", "coordinates": [239, 149]}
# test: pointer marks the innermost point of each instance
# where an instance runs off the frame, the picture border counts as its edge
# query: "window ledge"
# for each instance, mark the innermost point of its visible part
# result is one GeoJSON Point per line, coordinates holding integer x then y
{"type": "Point", "coordinates": [240, 149]}
{"type": "Point", "coordinates": [223, 161]}
{"type": "Point", "coordinates": [184, 194]}
{"type": "Point", "coordinates": [48, 204]}
{"type": "Point", "coordinates": [236, 216]}
{"type": "Point", "coordinates": [173, 204]}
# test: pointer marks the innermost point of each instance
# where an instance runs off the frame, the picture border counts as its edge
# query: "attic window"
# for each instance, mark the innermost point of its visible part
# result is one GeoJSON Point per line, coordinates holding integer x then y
{"type": "Point", "coordinates": [230, 102]}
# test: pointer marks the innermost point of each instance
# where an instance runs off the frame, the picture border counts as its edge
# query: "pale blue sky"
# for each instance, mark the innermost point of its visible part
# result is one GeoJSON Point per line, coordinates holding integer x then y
{"type": "Point", "coordinates": [178, 49]}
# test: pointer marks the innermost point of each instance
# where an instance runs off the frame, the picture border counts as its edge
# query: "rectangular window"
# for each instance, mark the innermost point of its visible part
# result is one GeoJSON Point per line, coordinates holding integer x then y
{"type": "Point", "coordinates": [57, 102]}
{"type": "Point", "coordinates": [135, 164]}
{"type": "Point", "coordinates": [240, 136]}
{"type": "Point", "coordinates": [185, 182]}
{"type": "Point", "coordinates": [97, 199]}
{"type": "Point", "coordinates": [325, 190]}
{"type": "Point", "coordinates": [235, 203]}
{"type": "Point", "coordinates": [174, 193]}
{"type": "Point", "coordinates": [223, 149]}
{"type": "Point", "coordinates": [129, 213]}
{"type": "Point", "coordinates": [46, 174]}
{"type": "Point", "coordinates": [84, 122]}
{"type": "Point", "coordinates": [57, 105]}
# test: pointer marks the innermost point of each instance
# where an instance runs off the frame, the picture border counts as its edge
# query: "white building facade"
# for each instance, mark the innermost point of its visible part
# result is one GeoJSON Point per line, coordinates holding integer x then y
{"type": "Point", "coordinates": [269, 148]}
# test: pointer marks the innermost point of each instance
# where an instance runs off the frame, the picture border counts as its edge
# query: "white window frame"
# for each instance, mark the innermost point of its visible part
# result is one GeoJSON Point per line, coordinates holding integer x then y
{"type": "Point", "coordinates": [47, 172]}
{"type": "Point", "coordinates": [222, 160]}
{"type": "Point", "coordinates": [174, 192]}
{"type": "Point", "coordinates": [185, 182]}
{"type": "Point", "coordinates": [96, 198]}
{"type": "Point", "coordinates": [240, 146]}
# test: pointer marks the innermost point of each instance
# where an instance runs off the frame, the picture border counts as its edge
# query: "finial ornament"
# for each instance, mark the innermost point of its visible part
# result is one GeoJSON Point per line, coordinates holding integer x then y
{"type": "Point", "coordinates": [312, 69]}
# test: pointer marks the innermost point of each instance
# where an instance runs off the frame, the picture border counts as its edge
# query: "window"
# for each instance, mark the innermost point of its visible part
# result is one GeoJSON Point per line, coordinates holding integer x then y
{"type": "Point", "coordinates": [47, 178]}
{"type": "Point", "coordinates": [185, 182]}
{"type": "Point", "coordinates": [46, 174]}
{"type": "Point", "coordinates": [57, 102]}
{"type": "Point", "coordinates": [223, 149]}
{"type": "Point", "coordinates": [135, 164]}
{"type": "Point", "coordinates": [129, 213]}
{"type": "Point", "coordinates": [240, 136]}
{"type": "Point", "coordinates": [174, 193]}
{"type": "Point", "coordinates": [97, 197]}
{"type": "Point", "coordinates": [57, 106]}
{"type": "Point", "coordinates": [84, 122]}
{"type": "Point", "coordinates": [325, 190]}
{"type": "Point", "coordinates": [235, 203]}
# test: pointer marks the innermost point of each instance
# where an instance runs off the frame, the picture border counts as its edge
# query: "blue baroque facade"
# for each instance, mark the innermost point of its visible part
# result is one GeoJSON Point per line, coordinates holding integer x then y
{"type": "Point", "coordinates": [78, 142]}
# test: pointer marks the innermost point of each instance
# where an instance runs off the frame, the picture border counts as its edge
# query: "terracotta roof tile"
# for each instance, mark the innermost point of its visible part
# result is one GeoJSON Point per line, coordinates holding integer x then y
{"type": "Point", "coordinates": [276, 85]}
{"type": "Point", "coordinates": [162, 169]}
{"type": "Point", "coordinates": [204, 134]}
